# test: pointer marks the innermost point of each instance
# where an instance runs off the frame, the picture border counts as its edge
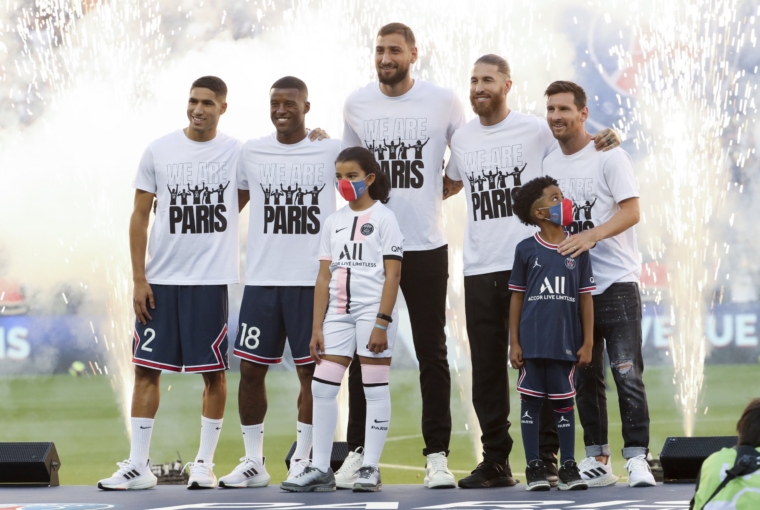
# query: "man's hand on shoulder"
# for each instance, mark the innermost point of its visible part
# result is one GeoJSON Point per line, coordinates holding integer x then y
{"type": "Point", "coordinates": [578, 243]}
{"type": "Point", "coordinates": [318, 134]}
{"type": "Point", "coordinates": [606, 139]}
{"type": "Point", "coordinates": [451, 187]}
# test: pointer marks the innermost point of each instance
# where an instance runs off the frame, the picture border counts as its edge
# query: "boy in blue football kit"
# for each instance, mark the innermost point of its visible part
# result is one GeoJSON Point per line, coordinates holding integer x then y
{"type": "Point", "coordinates": [551, 326]}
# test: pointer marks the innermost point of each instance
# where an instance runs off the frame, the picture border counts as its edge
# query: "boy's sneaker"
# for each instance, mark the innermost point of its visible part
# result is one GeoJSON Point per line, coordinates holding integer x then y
{"type": "Point", "coordinates": [201, 476]}
{"type": "Point", "coordinates": [368, 480]}
{"type": "Point", "coordinates": [311, 480]}
{"type": "Point", "coordinates": [129, 477]}
{"type": "Point", "coordinates": [597, 474]}
{"type": "Point", "coordinates": [297, 467]}
{"type": "Point", "coordinates": [346, 476]}
{"type": "Point", "coordinates": [249, 473]}
{"type": "Point", "coordinates": [639, 473]}
{"type": "Point", "coordinates": [437, 474]}
{"type": "Point", "coordinates": [536, 476]}
{"type": "Point", "coordinates": [488, 474]}
{"type": "Point", "coordinates": [552, 475]}
{"type": "Point", "coordinates": [570, 478]}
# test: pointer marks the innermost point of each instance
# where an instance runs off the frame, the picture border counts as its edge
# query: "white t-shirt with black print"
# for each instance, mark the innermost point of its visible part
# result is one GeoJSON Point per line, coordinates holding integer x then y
{"type": "Point", "coordinates": [194, 239]}
{"type": "Point", "coordinates": [493, 162]}
{"type": "Point", "coordinates": [597, 182]}
{"type": "Point", "coordinates": [409, 135]}
{"type": "Point", "coordinates": [356, 243]}
{"type": "Point", "coordinates": [292, 188]}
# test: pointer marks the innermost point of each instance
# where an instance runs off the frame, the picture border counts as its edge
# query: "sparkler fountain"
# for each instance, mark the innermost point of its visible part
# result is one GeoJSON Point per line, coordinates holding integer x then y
{"type": "Point", "coordinates": [100, 52]}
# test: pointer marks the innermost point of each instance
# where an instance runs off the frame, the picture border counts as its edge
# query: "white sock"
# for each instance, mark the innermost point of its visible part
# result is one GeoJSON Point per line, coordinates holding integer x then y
{"type": "Point", "coordinates": [210, 432]}
{"type": "Point", "coordinates": [378, 420]}
{"type": "Point", "coordinates": [142, 428]}
{"type": "Point", "coordinates": [325, 418]}
{"type": "Point", "coordinates": [303, 441]}
{"type": "Point", "coordinates": [253, 437]}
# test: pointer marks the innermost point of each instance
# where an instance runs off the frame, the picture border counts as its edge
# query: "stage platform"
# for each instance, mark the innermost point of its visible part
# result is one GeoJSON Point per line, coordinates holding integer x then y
{"type": "Point", "coordinates": [393, 497]}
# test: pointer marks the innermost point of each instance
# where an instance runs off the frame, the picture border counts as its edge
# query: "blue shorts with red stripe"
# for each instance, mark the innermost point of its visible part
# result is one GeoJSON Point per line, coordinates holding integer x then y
{"type": "Point", "coordinates": [547, 378]}
{"type": "Point", "coordinates": [188, 329]}
{"type": "Point", "coordinates": [269, 316]}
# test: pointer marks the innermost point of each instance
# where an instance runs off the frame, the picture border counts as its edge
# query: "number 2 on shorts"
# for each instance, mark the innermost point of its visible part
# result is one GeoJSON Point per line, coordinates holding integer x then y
{"type": "Point", "coordinates": [151, 333]}
{"type": "Point", "coordinates": [249, 334]}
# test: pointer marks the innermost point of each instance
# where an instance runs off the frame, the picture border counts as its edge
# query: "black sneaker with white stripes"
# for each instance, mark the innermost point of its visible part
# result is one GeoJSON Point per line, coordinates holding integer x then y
{"type": "Point", "coordinates": [129, 477]}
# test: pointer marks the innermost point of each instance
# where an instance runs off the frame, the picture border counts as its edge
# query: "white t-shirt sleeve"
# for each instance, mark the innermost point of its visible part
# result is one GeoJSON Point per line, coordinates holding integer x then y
{"type": "Point", "coordinates": [242, 179]}
{"type": "Point", "coordinates": [146, 173]}
{"type": "Point", "coordinates": [325, 251]}
{"type": "Point", "coordinates": [452, 167]}
{"type": "Point", "coordinates": [392, 239]}
{"type": "Point", "coordinates": [456, 118]}
{"type": "Point", "coordinates": [350, 137]}
{"type": "Point", "coordinates": [548, 142]}
{"type": "Point", "coordinates": [618, 174]}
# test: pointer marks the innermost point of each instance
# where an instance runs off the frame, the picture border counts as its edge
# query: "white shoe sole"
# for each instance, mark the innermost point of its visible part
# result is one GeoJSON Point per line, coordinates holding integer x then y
{"type": "Point", "coordinates": [248, 484]}
{"type": "Point", "coordinates": [538, 487]}
{"type": "Point", "coordinates": [345, 485]}
{"type": "Point", "coordinates": [440, 485]}
{"type": "Point", "coordinates": [125, 487]}
{"type": "Point", "coordinates": [642, 483]}
{"type": "Point", "coordinates": [603, 481]}
{"type": "Point", "coordinates": [368, 488]}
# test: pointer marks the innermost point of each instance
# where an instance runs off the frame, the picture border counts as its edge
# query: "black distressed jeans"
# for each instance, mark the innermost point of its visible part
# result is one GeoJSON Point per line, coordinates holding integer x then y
{"type": "Point", "coordinates": [617, 324]}
{"type": "Point", "coordinates": [424, 277]}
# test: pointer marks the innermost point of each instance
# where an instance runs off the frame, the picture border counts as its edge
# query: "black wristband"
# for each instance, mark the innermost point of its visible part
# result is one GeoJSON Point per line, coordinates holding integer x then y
{"type": "Point", "coordinates": [385, 317]}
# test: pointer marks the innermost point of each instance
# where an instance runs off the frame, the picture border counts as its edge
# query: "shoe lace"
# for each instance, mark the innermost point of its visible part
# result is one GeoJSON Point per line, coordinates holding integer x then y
{"type": "Point", "coordinates": [366, 472]}
{"type": "Point", "coordinates": [439, 462]}
{"type": "Point", "coordinates": [124, 467]}
{"type": "Point", "coordinates": [587, 463]}
{"type": "Point", "coordinates": [637, 463]}
{"type": "Point", "coordinates": [306, 471]}
{"type": "Point", "coordinates": [245, 463]}
{"type": "Point", "coordinates": [198, 468]}
{"type": "Point", "coordinates": [354, 458]}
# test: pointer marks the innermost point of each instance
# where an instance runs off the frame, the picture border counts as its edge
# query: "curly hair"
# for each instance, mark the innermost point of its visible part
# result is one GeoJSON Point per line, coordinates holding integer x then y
{"type": "Point", "coordinates": [525, 196]}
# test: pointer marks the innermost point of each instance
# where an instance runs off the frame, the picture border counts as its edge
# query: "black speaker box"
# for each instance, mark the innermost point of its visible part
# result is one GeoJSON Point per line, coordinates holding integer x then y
{"type": "Point", "coordinates": [682, 457]}
{"type": "Point", "coordinates": [29, 464]}
{"type": "Point", "coordinates": [338, 455]}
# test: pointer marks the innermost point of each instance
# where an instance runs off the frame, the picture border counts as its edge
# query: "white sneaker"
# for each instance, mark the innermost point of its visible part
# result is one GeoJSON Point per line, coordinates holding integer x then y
{"type": "Point", "coordinates": [249, 473]}
{"type": "Point", "coordinates": [129, 477]}
{"type": "Point", "coordinates": [201, 476]}
{"type": "Point", "coordinates": [369, 480]}
{"type": "Point", "coordinates": [596, 473]}
{"type": "Point", "coordinates": [297, 467]}
{"type": "Point", "coordinates": [346, 476]}
{"type": "Point", "coordinates": [437, 474]}
{"type": "Point", "coordinates": [639, 473]}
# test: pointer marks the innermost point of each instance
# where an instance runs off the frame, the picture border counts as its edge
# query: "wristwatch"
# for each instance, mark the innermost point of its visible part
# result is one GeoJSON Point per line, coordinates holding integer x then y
{"type": "Point", "coordinates": [385, 317]}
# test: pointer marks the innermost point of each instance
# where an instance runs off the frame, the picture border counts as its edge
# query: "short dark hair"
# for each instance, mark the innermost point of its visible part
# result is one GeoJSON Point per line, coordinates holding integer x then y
{"type": "Point", "coordinates": [557, 87]}
{"type": "Point", "coordinates": [524, 197]}
{"type": "Point", "coordinates": [749, 425]}
{"type": "Point", "coordinates": [398, 28]}
{"type": "Point", "coordinates": [291, 82]}
{"type": "Point", "coordinates": [381, 188]}
{"type": "Point", "coordinates": [214, 84]}
{"type": "Point", "coordinates": [495, 60]}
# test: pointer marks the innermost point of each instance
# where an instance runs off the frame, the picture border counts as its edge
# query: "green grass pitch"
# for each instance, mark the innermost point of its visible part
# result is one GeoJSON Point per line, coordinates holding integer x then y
{"type": "Point", "coordinates": [81, 416]}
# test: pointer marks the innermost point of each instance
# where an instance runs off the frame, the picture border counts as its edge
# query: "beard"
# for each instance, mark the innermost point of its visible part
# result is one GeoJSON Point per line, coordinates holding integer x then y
{"type": "Point", "coordinates": [482, 110]}
{"type": "Point", "coordinates": [398, 77]}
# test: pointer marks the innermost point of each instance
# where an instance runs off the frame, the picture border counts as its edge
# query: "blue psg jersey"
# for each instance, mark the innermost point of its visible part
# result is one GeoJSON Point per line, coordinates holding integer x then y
{"type": "Point", "coordinates": [550, 324]}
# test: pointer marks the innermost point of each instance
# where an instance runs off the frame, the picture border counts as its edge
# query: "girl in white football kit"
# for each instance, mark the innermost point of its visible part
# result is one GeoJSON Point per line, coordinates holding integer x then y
{"type": "Point", "coordinates": [360, 268]}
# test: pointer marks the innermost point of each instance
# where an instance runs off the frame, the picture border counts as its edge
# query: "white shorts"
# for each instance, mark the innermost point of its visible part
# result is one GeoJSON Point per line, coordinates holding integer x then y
{"type": "Point", "coordinates": [346, 334]}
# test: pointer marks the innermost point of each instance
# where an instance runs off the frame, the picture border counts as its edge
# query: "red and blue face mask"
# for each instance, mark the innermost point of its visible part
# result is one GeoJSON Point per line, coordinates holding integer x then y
{"type": "Point", "coordinates": [351, 190]}
{"type": "Point", "coordinates": [562, 213]}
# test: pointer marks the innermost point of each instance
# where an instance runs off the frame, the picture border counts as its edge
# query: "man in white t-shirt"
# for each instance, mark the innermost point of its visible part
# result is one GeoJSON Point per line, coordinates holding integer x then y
{"type": "Point", "coordinates": [180, 292]}
{"type": "Point", "coordinates": [281, 268]}
{"type": "Point", "coordinates": [499, 150]}
{"type": "Point", "coordinates": [409, 123]}
{"type": "Point", "coordinates": [603, 188]}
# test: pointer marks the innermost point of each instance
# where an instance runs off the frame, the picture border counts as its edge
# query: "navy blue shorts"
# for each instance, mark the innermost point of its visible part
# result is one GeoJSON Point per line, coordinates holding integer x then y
{"type": "Point", "coordinates": [269, 315]}
{"type": "Point", "coordinates": [188, 330]}
{"type": "Point", "coordinates": [547, 378]}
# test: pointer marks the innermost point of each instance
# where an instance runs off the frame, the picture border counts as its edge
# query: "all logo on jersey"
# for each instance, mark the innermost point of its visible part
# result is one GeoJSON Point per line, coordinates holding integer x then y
{"type": "Point", "coordinates": [352, 255]}
{"type": "Point", "coordinates": [398, 146]}
{"type": "Point", "coordinates": [203, 215]}
{"type": "Point", "coordinates": [291, 197]}
{"type": "Point", "coordinates": [581, 191]}
{"type": "Point", "coordinates": [552, 289]}
{"type": "Point", "coordinates": [494, 182]}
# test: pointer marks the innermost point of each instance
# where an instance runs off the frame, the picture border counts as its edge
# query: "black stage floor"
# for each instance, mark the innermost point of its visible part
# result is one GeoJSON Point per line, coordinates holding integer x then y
{"type": "Point", "coordinates": [393, 497]}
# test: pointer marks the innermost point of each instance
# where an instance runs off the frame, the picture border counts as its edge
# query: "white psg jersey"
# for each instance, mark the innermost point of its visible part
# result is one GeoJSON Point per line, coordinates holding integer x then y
{"type": "Point", "coordinates": [357, 243]}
